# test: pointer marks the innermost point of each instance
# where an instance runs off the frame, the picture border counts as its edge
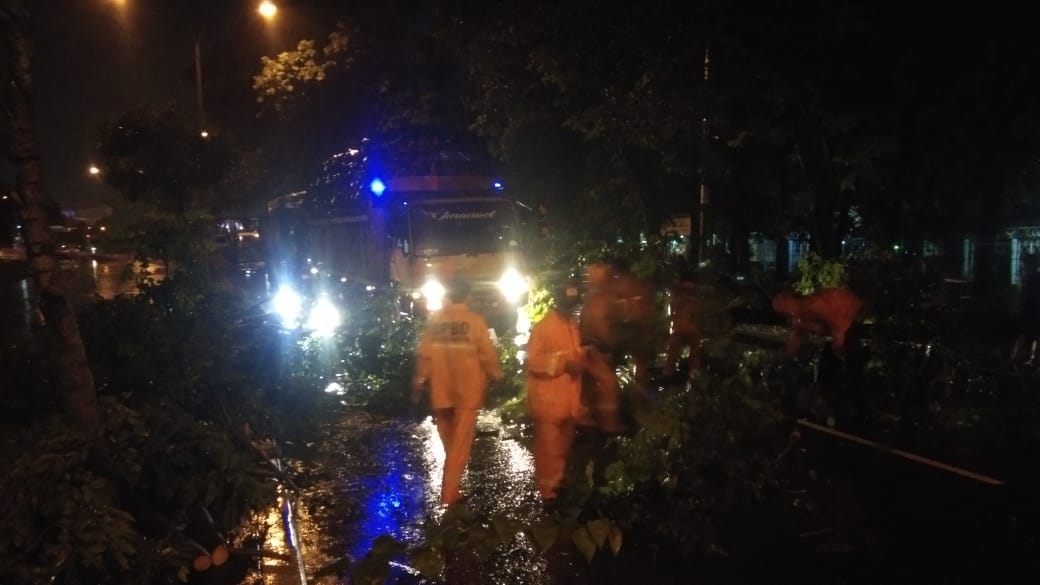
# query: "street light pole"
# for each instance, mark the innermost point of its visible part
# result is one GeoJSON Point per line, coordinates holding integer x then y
{"type": "Point", "coordinates": [198, 83]}
{"type": "Point", "coordinates": [267, 9]}
{"type": "Point", "coordinates": [703, 198]}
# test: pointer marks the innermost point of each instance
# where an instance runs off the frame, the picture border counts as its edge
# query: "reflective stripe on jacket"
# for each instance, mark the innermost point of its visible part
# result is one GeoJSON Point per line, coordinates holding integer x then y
{"type": "Point", "coordinates": [456, 355]}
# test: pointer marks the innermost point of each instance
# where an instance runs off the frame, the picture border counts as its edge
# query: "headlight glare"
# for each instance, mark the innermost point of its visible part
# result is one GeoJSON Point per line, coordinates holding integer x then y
{"type": "Point", "coordinates": [288, 304]}
{"type": "Point", "coordinates": [512, 285]}
{"type": "Point", "coordinates": [433, 292]}
{"type": "Point", "coordinates": [324, 317]}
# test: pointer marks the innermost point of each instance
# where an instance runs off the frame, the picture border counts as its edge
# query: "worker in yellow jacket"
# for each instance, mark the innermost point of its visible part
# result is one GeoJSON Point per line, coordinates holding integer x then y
{"type": "Point", "coordinates": [456, 358]}
{"type": "Point", "coordinates": [555, 359]}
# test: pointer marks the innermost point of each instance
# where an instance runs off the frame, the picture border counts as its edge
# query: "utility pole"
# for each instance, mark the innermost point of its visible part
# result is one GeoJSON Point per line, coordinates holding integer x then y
{"type": "Point", "coordinates": [704, 198]}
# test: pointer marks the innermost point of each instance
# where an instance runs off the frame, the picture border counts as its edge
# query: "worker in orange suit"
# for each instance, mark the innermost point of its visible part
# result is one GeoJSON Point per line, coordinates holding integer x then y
{"type": "Point", "coordinates": [616, 319]}
{"type": "Point", "coordinates": [555, 359]}
{"type": "Point", "coordinates": [455, 359]}
{"type": "Point", "coordinates": [595, 326]}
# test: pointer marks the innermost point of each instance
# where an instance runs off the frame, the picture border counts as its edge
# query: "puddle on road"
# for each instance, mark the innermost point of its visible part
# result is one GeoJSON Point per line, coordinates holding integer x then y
{"type": "Point", "coordinates": [377, 476]}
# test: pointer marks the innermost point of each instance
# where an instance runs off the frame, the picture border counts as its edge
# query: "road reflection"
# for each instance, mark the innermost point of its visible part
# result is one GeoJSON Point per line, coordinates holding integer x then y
{"type": "Point", "coordinates": [394, 496]}
{"type": "Point", "coordinates": [15, 300]}
{"type": "Point", "coordinates": [85, 279]}
{"type": "Point", "coordinates": [377, 476]}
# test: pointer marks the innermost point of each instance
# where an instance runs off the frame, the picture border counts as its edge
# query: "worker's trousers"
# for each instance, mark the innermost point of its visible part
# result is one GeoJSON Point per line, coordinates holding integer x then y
{"type": "Point", "coordinates": [456, 427]}
{"type": "Point", "coordinates": [552, 444]}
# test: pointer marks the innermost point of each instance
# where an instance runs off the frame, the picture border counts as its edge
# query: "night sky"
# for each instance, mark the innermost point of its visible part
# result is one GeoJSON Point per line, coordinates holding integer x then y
{"type": "Point", "coordinates": [98, 58]}
{"type": "Point", "coordinates": [92, 62]}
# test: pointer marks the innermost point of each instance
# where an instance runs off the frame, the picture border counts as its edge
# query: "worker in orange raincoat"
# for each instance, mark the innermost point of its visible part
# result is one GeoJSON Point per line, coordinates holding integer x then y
{"type": "Point", "coordinates": [457, 358]}
{"type": "Point", "coordinates": [616, 319]}
{"type": "Point", "coordinates": [554, 364]}
{"type": "Point", "coordinates": [596, 333]}
{"type": "Point", "coordinates": [685, 332]}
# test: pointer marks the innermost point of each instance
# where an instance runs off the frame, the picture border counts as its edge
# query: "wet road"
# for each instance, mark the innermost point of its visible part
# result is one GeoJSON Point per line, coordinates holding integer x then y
{"type": "Point", "coordinates": [378, 476]}
{"type": "Point", "coordinates": [84, 277]}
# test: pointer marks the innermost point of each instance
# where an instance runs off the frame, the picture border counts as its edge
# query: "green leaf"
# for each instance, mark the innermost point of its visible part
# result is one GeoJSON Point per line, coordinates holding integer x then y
{"type": "Point", "coordinates": [483, 541]}
{"type": "Point", "coordinates": [599, 529]}
{"type": "Point", "coordinates": [506, 527]}
{"type": "Point", "coordinates": [544, 534]}
{"type": "Point", "coordinates": [614, 537]}
{"type": "Point", "coordinates": [386, 547]}
{"type": "Point", "coordinates": [583, 540]}
{"type": "Point", "coordinates": [429, 561]}
{"type": "Point", "coordinates": [614, 471]}
{"type": "Point", "coordinates": [371, 571]}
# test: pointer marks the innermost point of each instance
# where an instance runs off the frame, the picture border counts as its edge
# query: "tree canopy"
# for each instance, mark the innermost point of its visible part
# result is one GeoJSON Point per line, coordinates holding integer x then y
{"type": "Point", "coordinates": [839, 119]}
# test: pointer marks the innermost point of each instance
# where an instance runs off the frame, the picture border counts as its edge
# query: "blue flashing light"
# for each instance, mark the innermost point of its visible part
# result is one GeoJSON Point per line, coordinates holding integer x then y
{"type": "Point", "coordinates": [497, 185]}
{"type": "Point", "coordinates": [377, 186]}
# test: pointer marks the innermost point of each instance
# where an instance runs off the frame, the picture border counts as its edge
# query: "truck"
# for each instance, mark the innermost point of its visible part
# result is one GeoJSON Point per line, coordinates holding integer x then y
{"type": "Point", "coordinates": [408, 210]}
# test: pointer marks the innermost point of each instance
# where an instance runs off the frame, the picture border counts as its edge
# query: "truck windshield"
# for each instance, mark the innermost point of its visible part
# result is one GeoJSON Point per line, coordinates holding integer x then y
{"type": "Point", "coordinates": [464, 227]}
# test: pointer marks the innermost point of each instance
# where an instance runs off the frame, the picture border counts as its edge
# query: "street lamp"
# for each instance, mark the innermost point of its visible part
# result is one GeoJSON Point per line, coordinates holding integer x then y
{"type": "Point", "coordinates": [267, 9]}
{"type": "Point", "coordinates": [94, 170]}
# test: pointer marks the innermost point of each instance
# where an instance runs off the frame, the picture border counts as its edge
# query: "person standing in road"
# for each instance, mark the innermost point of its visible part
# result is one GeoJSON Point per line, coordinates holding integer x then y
{"type": "Point", "coordinates": [554, 364]}
{"type": "Point", "coordinates": [456, 358]}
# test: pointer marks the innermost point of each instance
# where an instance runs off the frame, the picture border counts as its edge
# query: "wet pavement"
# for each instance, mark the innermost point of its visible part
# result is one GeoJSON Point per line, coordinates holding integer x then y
{"type": "Point", "coordinates": [85, 278]}
{"type": "Point", "coordinates": [374, 476]}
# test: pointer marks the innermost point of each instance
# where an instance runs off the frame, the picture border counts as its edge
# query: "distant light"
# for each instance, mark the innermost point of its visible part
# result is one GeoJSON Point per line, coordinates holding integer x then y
{"type": "Point", "coordinates": [267, 9]}
{"type": "Point", "coordinates": [377, 186]}
{"type": "Point", "coordinates": [93, 170]}
{"type": "Point", "coordinates": [497, 185]}
{"type": "Point", "coordinates": [204, 134]}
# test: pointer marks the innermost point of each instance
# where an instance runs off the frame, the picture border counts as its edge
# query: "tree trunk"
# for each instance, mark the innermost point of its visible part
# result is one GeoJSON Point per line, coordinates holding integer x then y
{"type": "Point", "coordinates": [826, 240]}
{"type": "Point", "coordinates": [75, 381]}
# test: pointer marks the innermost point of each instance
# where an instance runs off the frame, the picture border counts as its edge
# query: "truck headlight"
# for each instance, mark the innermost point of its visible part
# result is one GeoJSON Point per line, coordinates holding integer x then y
{"type": "Point", "coordinates": [288, 304]}
{"type": "Point", "coordinates": [433, 292]}
{"type": "Point", "coordinates": [324, 317]}
{"type": "Point", "coordinates": [512, 285]}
